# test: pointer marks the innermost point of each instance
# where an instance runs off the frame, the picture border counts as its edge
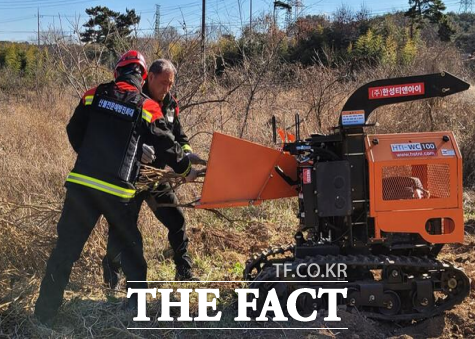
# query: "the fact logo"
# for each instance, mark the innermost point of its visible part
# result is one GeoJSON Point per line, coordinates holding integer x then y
{"type": "Point", "coordinates": [247, 299]}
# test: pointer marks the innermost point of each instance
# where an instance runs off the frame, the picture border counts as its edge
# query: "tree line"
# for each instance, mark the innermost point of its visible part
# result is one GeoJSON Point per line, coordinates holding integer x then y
{"type": "Point", "coordinates": [347, 36]}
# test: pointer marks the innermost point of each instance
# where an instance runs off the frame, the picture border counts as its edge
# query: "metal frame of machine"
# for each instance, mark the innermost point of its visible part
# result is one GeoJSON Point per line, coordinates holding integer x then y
{"type": "Point", "coordinates": [383, 205]}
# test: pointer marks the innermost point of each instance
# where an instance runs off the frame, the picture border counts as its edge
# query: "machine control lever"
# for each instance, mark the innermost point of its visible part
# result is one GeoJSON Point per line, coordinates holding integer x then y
{"type": "Point", "coordinates": [284, 176]}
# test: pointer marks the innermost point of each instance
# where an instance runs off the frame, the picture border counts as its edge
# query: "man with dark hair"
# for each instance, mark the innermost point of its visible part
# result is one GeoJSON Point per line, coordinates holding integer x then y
{"type": "Point", "coordinates": [107, 131]}
{"type": "Point", "coordinates": [160, 79]}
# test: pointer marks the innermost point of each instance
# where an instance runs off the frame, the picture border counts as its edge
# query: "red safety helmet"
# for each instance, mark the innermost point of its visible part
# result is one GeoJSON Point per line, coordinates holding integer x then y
{"type": "Point", "coordinates": [132, 57]}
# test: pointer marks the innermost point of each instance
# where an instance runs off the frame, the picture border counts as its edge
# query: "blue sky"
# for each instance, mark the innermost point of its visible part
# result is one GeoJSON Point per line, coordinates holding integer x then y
{"type": "Point", "coordinates": [18, 19]}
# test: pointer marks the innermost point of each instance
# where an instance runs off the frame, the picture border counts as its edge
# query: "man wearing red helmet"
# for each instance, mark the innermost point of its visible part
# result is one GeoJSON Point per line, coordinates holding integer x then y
{"type": "Point", "coordinates": [161, 78]}
{"type": "Point", "coordinates": [107, 131]}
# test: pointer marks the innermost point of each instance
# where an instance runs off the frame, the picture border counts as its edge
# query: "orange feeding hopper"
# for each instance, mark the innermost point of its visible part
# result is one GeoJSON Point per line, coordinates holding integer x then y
{"type": "Point", "coordinates": [242, 173]}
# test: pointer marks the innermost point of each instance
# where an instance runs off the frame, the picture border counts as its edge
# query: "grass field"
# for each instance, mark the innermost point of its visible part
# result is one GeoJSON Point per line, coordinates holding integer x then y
{"type": "Point", "coordinates": [35, 158]}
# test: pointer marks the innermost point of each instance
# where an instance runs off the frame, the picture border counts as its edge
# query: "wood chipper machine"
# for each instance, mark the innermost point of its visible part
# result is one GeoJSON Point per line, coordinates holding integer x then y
{"type": "Point", "coordinates": [381, 204]}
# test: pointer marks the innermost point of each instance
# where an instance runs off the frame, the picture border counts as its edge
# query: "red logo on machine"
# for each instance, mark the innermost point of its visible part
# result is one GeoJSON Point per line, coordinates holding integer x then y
{"type": "Point", "coordinates": [395, 91]}
{"type": "Point", "coordinates": [307, 176]}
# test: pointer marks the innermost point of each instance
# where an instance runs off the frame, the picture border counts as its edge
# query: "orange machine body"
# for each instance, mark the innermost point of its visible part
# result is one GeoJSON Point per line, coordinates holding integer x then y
{"type": "Point", "coordinates": [415, 178]}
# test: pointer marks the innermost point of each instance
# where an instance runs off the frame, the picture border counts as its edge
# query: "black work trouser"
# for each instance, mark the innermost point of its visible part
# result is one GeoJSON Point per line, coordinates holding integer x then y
{"type": "Point", "coordinates": [171, 217]}
{"type": "Point", "coordinates": [82, 208]}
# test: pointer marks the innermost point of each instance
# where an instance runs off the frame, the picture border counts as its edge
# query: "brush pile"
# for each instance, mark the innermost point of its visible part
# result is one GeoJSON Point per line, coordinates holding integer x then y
{"type": "Point", "coordinates": [152, 178]}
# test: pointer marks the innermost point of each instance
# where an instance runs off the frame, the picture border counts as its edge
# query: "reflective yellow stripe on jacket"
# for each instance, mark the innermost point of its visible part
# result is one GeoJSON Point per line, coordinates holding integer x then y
{"type": "Point", "coordinates": [88, 100]}
{"type": "Point", "coordinates": [146, 115]}
{"type": "Point", "coordinates": [100, 185]}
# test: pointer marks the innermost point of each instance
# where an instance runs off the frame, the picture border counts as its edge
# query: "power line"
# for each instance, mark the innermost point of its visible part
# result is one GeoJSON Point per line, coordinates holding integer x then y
{"type": "Point", "coordinates": [465, 6]}
{"type": "Point", "coordinates": [52, 4]}
{"type": "Point", "coordinates": [186, 15]}
{"type": "Point", "coordinates": [17, 19]}
{"type": "Point", "coordinates": [58, 15]}
{"type": "Point", "coordinates": [36, 4]}
{"type": "Point", "coordinates": [175, 8]}
{"type": "Point", "coordinates": [236, 25]}
{"type": "Point", "coordinates": [28, 2]}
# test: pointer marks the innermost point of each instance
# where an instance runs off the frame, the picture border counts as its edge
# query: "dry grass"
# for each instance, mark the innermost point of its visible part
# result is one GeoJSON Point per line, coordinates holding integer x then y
{"type": "Point", "coordinates": [35, 157]}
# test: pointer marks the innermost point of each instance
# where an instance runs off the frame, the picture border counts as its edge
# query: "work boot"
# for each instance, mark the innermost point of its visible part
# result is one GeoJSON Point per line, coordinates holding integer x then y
{"type": "Point", "coordinates": [184, 273]}
{"type": "Point", "coordinates": [45, 316]}
{"type": "Point", "coordinates": [111, 273]}
{"type": "Point", "coordinates": [45, 321]}
{"type": "Point", "coordinates": [131, 304]}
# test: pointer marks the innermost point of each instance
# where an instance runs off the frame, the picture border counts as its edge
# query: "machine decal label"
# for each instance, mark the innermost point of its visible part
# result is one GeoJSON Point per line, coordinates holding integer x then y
{"type": "Point", "coordinates": [414, 149]}
{"type": "Point", "coordinates": [447, 152]}
{"type": "Point", "coordinates": [307, 176]}
{"type": "Point", "coordinates": [395, 91]}
{"type": "Point", "coordinates": [353, 118]}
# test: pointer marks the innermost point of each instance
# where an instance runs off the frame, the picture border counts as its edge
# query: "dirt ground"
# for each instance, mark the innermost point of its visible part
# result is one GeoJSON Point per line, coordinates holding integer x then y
{"type": "Point", "coordinates": [91, 312]}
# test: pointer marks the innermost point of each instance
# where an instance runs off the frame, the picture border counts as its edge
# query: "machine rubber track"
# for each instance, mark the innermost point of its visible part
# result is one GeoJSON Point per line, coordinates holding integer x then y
{"type": "Point", "coordinates": [443, 284]}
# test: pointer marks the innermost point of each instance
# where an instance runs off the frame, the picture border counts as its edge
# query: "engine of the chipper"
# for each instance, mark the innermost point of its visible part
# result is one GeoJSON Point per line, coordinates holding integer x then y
{"type": "Point", "coordinates": [325, 195]}
{"type": "Point", "coordinates": [415, 186]}
{"type": "Point", "coordinates": [412, 199]}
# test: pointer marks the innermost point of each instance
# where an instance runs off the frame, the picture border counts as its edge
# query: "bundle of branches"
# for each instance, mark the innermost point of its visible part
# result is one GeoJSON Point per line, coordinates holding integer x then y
{"type": "Point", "coordinates": [152, 178]}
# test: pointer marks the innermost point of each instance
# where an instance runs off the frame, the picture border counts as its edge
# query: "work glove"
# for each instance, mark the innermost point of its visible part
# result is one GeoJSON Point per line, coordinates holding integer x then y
{"type": "Point", "coordinates": [202, 172]}
{"type": "Point", "coordinates": [148, 154]}
{"type": "Point", "coordinates": [192, 175]}
{"type": "Point", "coordinates": [195, 159]}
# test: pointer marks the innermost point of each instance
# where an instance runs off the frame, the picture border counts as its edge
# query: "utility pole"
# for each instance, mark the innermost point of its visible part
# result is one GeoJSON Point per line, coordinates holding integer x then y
{"type": "Point", "coordinates": [38, 26]}
{"type": "Point", "coordinates": [250, 18]}
{"type": "Point", "coordinates": [157, 21]}
{"type": "Point", "coordinates": [203, 37]}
